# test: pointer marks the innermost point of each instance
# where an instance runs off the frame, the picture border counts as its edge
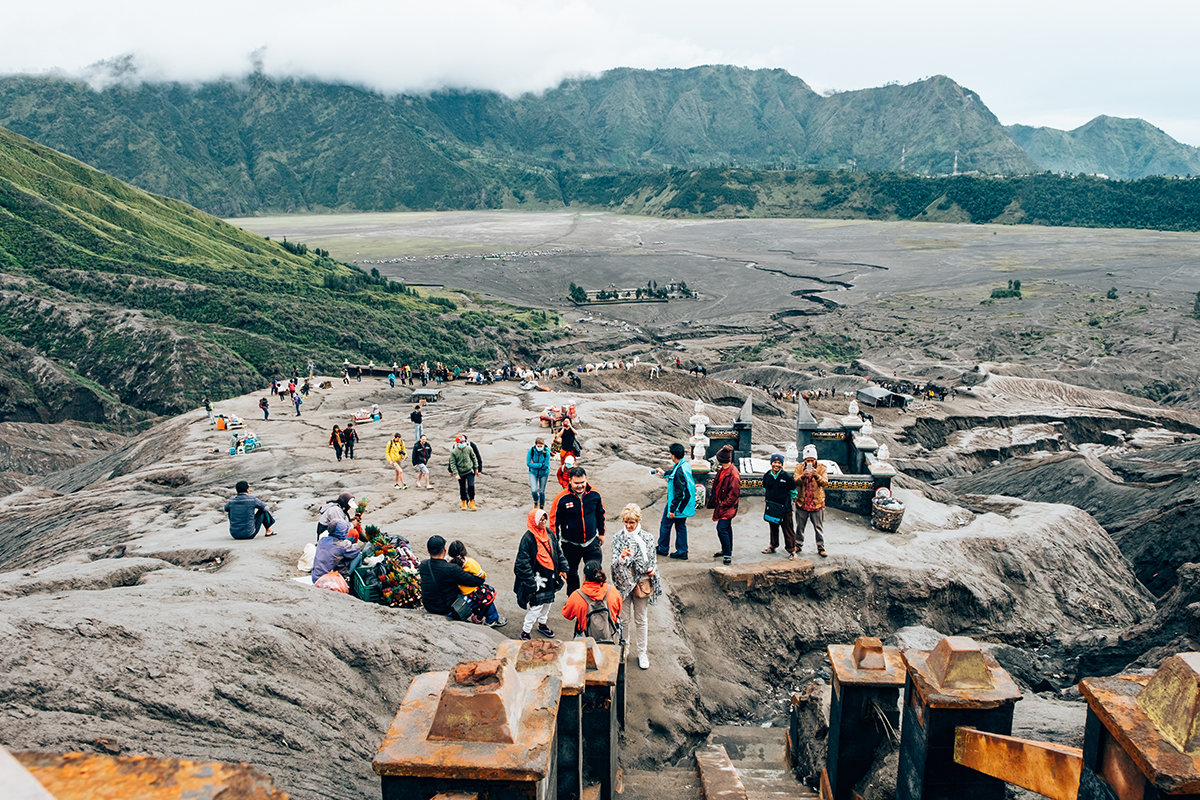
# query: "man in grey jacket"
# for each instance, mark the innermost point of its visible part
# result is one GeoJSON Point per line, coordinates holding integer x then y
{"type": "Point", "coordinates": [247, 514]}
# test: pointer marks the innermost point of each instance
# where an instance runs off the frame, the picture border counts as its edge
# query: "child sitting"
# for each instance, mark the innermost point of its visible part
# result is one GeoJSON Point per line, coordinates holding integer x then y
{"type": "Point", "coordinates": [480, 597]}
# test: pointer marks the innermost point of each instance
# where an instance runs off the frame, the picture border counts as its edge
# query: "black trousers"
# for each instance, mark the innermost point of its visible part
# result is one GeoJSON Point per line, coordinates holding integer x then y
{"type": "Point", "coordinates": [466, 486]}
{"type": "Point", "coordinates": [349, 449]}
{"type": "Point", "coordinates": [576, 554]}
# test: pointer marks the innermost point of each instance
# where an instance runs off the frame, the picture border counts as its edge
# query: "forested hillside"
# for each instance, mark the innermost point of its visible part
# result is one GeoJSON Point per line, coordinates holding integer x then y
{"type": "Point", "coordinates": [116, 304]}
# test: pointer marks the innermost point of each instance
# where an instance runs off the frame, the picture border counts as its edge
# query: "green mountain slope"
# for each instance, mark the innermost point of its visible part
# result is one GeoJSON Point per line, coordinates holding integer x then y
{"type": "Point", "coordinates": [1119, 148]}
{"type": "Point", "coordinates": [238, 147]}
{"type": "Point", "coordinates": [116, 304]}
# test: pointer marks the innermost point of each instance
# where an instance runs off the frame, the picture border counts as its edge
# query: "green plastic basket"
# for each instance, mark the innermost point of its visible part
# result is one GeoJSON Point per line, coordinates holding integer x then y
{"type": "Point", "coordinates": [367, 592]}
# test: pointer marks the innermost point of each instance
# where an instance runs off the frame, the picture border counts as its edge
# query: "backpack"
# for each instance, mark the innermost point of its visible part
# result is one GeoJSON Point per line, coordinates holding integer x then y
{"type": "Point", "coordinates": [599, 621]}
{"type": "Point", "coordinates": [262, 403]}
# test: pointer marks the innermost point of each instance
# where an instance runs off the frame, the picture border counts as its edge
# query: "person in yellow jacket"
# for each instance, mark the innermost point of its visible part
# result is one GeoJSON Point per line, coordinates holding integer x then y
{"type": "Point", "coordinates": [395, 455]}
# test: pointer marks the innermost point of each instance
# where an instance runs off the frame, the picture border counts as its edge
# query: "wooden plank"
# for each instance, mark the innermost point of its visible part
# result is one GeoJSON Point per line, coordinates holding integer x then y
{"type": "Point", "coordinates": [1049, 769]}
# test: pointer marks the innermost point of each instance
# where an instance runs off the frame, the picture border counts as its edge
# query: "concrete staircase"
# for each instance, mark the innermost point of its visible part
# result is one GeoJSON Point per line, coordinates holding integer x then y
{"type": "Point", "coordinates": [666, 783]}
{"type": "Point", "coordinates": [741, 763]}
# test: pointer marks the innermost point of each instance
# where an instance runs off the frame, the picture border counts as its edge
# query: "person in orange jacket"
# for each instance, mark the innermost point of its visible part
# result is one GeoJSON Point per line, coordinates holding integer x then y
{"type": "Point", "coordinates": [588, 605]}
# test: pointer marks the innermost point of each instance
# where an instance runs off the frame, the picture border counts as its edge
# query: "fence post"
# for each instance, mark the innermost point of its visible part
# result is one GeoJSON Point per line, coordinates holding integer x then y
{"type": "Point", "coordinates": [599, 720]}
{"type": "Point", "coordinates": [1142, 736]}
{"type": "Point", "coordinates": [955, 684]}
{"type": "Point", "coordinates": [863, 710]}
{"type": "Point", "coordinates": [481, 728]}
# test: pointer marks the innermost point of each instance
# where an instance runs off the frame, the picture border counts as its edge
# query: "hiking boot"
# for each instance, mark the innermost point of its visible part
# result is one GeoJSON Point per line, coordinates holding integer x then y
{"type": "Point", "coordinates": [679, 555]}
{"type": "Point", "coordinates": [471, 505]}
{"type": "Point", "coordinates": [545, 630]}
{"type": "Point", "coordinates": [525, 637]}
{"type": "Point", "coordinates": [499, 623]}
{"type": "Point", "coordinates": [821, 552]}
{"type": "Point", "coordinates": [464, 505]}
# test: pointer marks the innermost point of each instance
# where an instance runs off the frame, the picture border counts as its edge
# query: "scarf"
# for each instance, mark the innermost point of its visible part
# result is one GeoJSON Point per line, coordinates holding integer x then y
{"type": "Point", "coordinates": [545, 556]}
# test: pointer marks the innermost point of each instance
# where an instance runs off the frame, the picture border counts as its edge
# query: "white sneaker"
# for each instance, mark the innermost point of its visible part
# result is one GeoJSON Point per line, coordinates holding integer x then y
{"type": "Point", "coordinates": [644, 661]}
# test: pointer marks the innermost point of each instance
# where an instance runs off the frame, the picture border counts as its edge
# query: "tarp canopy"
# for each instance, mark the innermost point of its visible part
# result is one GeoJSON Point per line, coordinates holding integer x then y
{"type": "Point", "coordinates": [878, 396]}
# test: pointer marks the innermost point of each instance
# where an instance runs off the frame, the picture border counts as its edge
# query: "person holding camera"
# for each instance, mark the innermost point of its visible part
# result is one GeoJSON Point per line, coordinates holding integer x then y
{"type": "Point", "coordinates": [811, 479]}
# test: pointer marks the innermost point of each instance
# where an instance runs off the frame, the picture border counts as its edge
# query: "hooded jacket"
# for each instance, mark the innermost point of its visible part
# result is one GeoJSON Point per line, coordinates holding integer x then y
{"type": "Point", "coordinates": [576, 608]}
{"type": "Point", "coordinates": [577, 520]}
{"type": "Point", "coordinates": [535, 585]}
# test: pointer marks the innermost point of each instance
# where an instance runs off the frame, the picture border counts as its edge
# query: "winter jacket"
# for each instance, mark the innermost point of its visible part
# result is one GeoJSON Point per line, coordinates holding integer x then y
{"type": "Point", "coordinates": [681, 490]}
{"type": "Point", "coordinates": [820, 480]}
{"type": "Point", "coordinates": [577, 520]}
{"type": "Point", "coordinates": [538, 462]}
{"type": "Point", "coordinates": [332, 514]}
{"type": "Point", "coordinates": [534, 584]}
{"type": "Point", "coordinates": [241, 515]}
{"type": "Point", "coordinates": [333, 555]}
{"type": "Point", "coordinates": [778, 488]}
{"type": "Point", "coordinates": [478, 456]}
{"type": "Point", "coordinates": [576, 607]}
{"type": "Point", "coordinates": [395, 450]}
{"type": "Point", "coordinates": [727, 490]}
{"type": "Point", "coordinates": [440, 580]}
{"type": "Point", "coordinates": [421, 453]}
{"type": "Point", "coordinates": [463, 461]}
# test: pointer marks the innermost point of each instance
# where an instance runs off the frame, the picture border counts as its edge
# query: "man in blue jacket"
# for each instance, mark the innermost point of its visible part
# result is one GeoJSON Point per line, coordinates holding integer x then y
{"type": "Point", "coordinates": [681, 504]}
{"type": "Point", "coordinates": [247, 514]}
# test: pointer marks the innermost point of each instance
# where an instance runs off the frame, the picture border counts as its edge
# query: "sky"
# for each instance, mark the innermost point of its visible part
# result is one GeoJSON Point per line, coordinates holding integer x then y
{"type": "Point", "coordinates": [1033, 62]}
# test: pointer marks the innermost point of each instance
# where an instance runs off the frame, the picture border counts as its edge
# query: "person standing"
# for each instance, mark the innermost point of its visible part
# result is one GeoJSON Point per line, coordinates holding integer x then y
{"type": "Point", "coordinates": [635, 575]}
{"type": "Point", "coordinates": [538, 462]}
{"type": "Point", "coordinates": [336, 441]}
{"type": "Point", "coordinates": [392, 380]}
{"type": "Point", "coordinates": [577, 519]}
{"type": "Point", "coordinates": [346, 375]}
{"type": "Point", "coordinates": [296, 401]}
{"type": "Point", "coordinates": [349, 439]}
{"type": "Point", "coordinates": [727, 490]}
{"type": "Point", "coordinates": [681, 504]}
{"type": "Point", "coordinates": [811, 479]}
{"type": "Point", "coordinates": [540, 571]}
{"type": "Point", "coordinates": [395, 456]}
{"type": "Point", "coordinates": [421, 454]}
{"type": "Point", "coordinates": [247, 514]}
{"type": "Point", "coordinates": [595, 607]}
{"type": "Point", "coordinates": [464, 465]}
{"type": "Point", "coordinates": [305, 389]}
{"type": "Point", "coordinates": [311, 368]}
{"type": "Point", "coordinates": [777, 488]}
{"type": "Point", "coordinates": [358, 373]}
{"type": "Point", "coordinates": [569, 440]}
{"type": "Point", "coordinates": [416, 416]}
{"type": "Point", "coordinates": [265, 405]}
{"type": "Point", "coordinates": [208, 407]}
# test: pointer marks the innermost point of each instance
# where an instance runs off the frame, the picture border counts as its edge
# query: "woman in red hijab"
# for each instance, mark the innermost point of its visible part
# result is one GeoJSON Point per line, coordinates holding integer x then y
{"type": "Point", "coordinates": [541, 570]}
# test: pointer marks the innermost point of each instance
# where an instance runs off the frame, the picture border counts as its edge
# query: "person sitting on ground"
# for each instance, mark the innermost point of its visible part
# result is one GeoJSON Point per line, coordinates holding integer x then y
{"type": "Point", "coordinates": [540, 570]}
{"type": "Point", "coordinates": [335, 553]}
{"type": "Point", "coordinates": [480, 597]}
{"type": "Point", "coordinates": [333, 512]}
{"type": "Point", "coordinates": [247, 514]}
{"type": "Point", "coordinates": [440, 580]}
{"type": "Point", "coordinates": [595, 606]}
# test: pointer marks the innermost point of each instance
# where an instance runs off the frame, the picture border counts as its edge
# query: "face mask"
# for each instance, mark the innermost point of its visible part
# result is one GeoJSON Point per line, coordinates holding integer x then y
{"type": "Point", "coordinates": [463, 446]}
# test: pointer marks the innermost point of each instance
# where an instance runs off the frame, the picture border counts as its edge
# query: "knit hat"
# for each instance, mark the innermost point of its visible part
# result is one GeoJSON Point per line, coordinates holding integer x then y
{"type": "Point", "coordinates": [725, 454]}
{"type": "Point", "coordinates": [810, 451]}
{"type": "Point", "coordinates": [777, 457]}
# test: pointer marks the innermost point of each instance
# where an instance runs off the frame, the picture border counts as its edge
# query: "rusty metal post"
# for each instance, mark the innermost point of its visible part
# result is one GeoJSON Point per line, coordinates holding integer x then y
{"type": "Point", "coordinates": [599, 720]}
{"type": "Point", "coordinates": [568, 662]}
{"type": "Point", "coordinates": [864, 709]}
{"type": "Point", "coordinates": [482, 728]}
{"type": "Point", "coordinates": [620, 690]}
{"type": "Point", "coordinates": [1142, 736]}
{"type": "Point", "coordinates": [953, 685]}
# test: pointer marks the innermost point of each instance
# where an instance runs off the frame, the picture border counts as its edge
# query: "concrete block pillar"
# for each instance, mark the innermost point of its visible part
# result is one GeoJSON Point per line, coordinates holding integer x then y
{"type": "Point", "coordinates": [599, 720]}
{"type": "Point", "coordinates": [1142, 735]}
{"type": "Point", "coordinates": [567, 661]}
{"type": "Point", "coordinates": [482, 728]}
{"type": "Point", "coordinates": [863, 711]}
{"type": "Point", "coordinates": [953, 685]}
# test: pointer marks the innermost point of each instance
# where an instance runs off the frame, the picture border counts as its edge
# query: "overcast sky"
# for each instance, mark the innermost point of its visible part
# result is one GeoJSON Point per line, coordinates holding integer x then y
{"type": "Point", "coordinates": [1043, 62]}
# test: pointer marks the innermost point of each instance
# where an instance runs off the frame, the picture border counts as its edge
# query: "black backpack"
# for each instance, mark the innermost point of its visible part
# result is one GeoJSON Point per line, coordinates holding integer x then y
{"type": "Point", "coordinates": [599, 621]}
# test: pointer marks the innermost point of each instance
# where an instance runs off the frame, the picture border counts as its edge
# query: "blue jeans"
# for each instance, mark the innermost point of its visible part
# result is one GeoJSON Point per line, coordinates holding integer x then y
{"type": "Point", "coordinates": [537, 486]}
{"type": "Point", "coordinates": [417, 427]}
{"type": "Point", "coordinates": [725, 536]}
{"type": "Point", "coordinates": [664, 534]}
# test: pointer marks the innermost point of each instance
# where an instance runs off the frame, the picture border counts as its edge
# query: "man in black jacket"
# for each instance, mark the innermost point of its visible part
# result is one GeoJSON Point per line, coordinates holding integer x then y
{"type": "Point", "coordinates": [577, 519]}
{"type": "Point", "coordinates": [778, 486]}
{"type": "Point", "coordinates": [421, 453]}
{"type": "Point", "coordinates": [440, 580]}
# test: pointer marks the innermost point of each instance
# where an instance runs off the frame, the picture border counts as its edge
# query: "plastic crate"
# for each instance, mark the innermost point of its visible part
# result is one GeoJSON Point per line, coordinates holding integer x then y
{"type": "Point", "coordinates": [366, 591]}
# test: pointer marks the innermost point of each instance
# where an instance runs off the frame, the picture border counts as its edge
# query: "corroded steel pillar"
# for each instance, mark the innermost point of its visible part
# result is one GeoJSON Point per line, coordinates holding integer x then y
{"type": "Point", "coordinates": [481, 728]}
{"type": "Point", "coordinates": [864, 709]}
{"type": "Point", "coordinates": [568, 662]}
{"type": "Point", "coordinates": [953, 685]}
{"type": "Point", "coordinates": [1142, 736]}
{"type": "Point", "coordinates": [599, 720]}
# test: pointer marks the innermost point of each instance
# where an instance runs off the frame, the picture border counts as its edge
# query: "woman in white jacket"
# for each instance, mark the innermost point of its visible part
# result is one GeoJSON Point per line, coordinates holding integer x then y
{"type": "Point", "coordinates": [635, 575]}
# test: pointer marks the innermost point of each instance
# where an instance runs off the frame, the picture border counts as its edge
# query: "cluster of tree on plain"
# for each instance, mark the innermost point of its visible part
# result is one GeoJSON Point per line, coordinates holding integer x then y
{"type": "Point", "coordinates": [651, 291]}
